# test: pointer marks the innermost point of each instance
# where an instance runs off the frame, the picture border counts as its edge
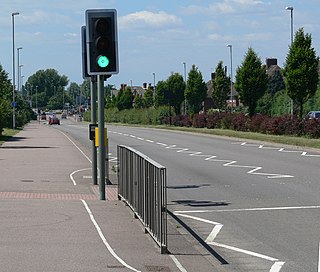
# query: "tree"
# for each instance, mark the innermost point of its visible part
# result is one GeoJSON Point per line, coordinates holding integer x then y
{"type": "Point", "coordinates": [176, 86]}
{"type": "Point", "coordinates": [44, 84]}
{"type": "Point", "coordinates": [139, 102]}
{"type": "Point", "coordinates": [5, 100]}
{"type": "Point", "coordinates": [251, 81]}
{"type": "Point", "coordinates": [159, 97]}
{"type": "Point", "coordinates": [148, 98]}
{"type": "Point", "coordinates": [301, 70]}
{"type": "Point", "coordinates": [275, 82]}
{"type": "Point", "coordinates": [220, 87]}
{"type": "Point", "coordinates": [196, 91]}
{"type": "Point", "coordinates": [124, 99]}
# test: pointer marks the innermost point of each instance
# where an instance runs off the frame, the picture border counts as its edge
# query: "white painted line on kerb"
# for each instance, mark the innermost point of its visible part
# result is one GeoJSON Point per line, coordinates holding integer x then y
{"type": "Point", "coordinates": [104, 240]}
{"type": "Point", "coordinates": [76, 146]}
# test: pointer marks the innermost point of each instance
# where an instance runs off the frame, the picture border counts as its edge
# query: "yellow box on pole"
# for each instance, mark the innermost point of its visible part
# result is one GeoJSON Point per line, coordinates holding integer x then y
{"type": "Point", "coordinates": [97, 136]}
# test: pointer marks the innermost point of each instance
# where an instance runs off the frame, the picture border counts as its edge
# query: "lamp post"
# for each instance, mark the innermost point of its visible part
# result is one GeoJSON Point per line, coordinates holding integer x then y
{"type": "Point", "coordinates": [19, 75]}
{"type": "Point", "coordinates": [13, 74]}
{"type": "Point", "coordinates": [291, 20]}
{"type": "Point", "coordinates": [185, 81]}
{"type": "Point", "coordinates": [154, 82]}
{"type": "Point", "coordinates": [231, 77]}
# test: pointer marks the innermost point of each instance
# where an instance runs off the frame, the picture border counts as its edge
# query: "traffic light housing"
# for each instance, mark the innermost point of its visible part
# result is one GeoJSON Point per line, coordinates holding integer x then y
{"type": "Point", "coordinates": [102, 42]}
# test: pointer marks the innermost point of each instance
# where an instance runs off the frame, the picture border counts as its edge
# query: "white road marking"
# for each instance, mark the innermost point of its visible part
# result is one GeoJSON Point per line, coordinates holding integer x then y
{"type": "Point", "coordinates": [104, 240]}
{"type": "Point", "coordinates": [250, 209]}
{"type": "Point", "coordinates": [276, 266]}
{"type": "Point", "coordinates": [215, 231]}
{"type": "Point", "coordinates": [213, 158]}
{"type": "Point", "coordinates": [282, 149]}
{"type": "Point", "coordinates": [177, 263]}
{"type": "Point", "coordinates": [76, 146]}
{"type": "Point", "coordinates": [247, 252]}
{"type": "Point", "coordinates": [71, 175]}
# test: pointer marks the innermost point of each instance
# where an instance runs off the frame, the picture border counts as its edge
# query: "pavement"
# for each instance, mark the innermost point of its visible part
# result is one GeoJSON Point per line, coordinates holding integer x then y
{"type": "Point", "coordinates": [52, 218]}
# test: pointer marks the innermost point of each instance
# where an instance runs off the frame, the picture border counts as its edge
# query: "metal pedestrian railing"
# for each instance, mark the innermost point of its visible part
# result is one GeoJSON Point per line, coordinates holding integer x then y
{"type": "Point", "coordinates": [143, 186]}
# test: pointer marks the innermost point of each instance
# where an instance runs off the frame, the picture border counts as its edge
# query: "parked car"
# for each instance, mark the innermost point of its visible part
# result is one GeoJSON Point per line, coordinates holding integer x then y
{"type": "Point", "coordinates": [43, 116]}
{"type": "Point", "coordinates": [313, 115]}
{"type": "Point", "coordinates": [53, 120]}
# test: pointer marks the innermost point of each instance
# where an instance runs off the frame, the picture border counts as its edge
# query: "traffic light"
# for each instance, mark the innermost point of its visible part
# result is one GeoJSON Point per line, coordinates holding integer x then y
{"type": "Point", "coordinates": [84, 53]}
{"type": "Point", "coordinates": [102, 42]}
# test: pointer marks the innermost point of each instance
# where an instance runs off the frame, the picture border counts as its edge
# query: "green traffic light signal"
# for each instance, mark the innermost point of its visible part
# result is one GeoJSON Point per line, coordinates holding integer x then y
{"type": "Point", "coordinates": [102, 42]}
{"type": "Point", "coordinates": [103, 61]}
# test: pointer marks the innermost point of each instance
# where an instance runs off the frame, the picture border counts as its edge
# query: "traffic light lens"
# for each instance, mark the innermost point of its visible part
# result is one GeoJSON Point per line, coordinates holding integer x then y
{"type": "Point", "coordinates": [103, 61]}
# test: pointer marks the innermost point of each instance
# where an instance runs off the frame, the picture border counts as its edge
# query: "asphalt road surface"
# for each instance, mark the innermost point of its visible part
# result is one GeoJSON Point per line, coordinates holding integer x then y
{"type": "Point", "coordinates": [255, 204]}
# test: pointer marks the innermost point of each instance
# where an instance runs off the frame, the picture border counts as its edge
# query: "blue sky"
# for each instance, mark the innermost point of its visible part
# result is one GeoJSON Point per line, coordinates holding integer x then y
{"type": "Point", "coordinates": [154, 36]}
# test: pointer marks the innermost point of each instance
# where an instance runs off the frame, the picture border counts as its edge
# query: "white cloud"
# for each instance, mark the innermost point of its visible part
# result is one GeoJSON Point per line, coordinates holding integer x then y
{"type": "Point", "coordinates": [224, 7]}
{"type": "Point", "coordinates": [148, 19]}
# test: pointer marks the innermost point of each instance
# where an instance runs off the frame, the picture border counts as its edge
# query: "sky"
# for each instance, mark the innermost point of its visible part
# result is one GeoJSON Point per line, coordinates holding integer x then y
{"type": "Point", "coordinates": [155, 38]}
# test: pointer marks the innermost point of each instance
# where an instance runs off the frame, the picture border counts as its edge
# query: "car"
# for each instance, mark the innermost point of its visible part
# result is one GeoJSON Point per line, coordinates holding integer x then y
{"type": "Point", "coordinates": [54, 120]}
{"type": "Point", "coordinates": [313, 115]}
{"type": "Point", "coordinates": [63, 115]}
{"type": "Point", "coordinates": [43, 116]}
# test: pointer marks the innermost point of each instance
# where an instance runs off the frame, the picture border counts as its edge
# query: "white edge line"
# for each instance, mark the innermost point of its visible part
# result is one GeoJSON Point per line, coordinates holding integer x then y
{"type": "Point", "coordinates": [104, 240]}
{"type": "Point", "coordinates": [276, 266]}
{"type": "Point", "coordinates": [247, 252]}
{"type": "Point", "coordinates": [177, 263]}
{"type": "Point", "coordinates": [76, 146]}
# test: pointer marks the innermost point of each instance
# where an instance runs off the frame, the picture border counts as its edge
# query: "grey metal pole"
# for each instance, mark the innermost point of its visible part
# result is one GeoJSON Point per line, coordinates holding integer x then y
{"type": "Point", "coordinates": [13, 74]}
{"type": "Point", "coordinates": [231, 76]}
{"type": "Point", "coordinates": [291, 20]}
{"type": "Point", "coordinates": [101, 134]}
{"type": "Point", "coordinates": [93, 87]}
{"type": "Point", "coordinates": [185, 81]}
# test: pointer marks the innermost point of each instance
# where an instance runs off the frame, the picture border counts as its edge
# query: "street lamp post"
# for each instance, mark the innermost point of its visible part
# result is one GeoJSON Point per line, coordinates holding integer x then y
{"type": "Point", "coordinates": [231, 77]}
{"type": "Point", "coordinates": [18, 54]}
{"type": "Point", "coordinates": [13, 74]}
{"type": "Point", "coordinates": [291, 20]}
{"type": "Point", "coordinates": [185, 81]}
{"type": "Point", "coordinates": [19, 77]}
{"type": "Point", "coordinates": [154, 81]}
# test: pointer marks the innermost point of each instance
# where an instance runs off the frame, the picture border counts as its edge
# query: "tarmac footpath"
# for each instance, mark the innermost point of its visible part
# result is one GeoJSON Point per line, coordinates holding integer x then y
{"type": "Point", "coordinates": [52, 219]}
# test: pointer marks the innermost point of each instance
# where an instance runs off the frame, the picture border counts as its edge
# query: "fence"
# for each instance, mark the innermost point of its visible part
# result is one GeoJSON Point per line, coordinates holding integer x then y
{"type": "Point", "coordinates": [143, 186]}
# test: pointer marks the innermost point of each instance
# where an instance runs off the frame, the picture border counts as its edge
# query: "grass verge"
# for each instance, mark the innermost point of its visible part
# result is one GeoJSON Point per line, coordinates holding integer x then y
{"type": "Point", "coordinates": [7, 134]}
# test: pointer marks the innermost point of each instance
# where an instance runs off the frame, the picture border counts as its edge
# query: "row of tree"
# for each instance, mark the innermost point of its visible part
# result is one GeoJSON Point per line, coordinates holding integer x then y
{"type": "Point", "coordinates": [257, 90]}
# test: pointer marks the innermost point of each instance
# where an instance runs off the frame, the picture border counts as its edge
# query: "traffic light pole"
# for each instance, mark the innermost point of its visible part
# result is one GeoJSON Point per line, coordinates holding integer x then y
{"type": "Point", "coordinates": [93, 87]}
{"type": "Point", "coordinates": [101, 134]}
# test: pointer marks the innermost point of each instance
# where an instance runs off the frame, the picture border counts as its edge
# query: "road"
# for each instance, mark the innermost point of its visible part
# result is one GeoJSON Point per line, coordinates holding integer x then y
{"type": "Point", "coordinates": [257, 205]}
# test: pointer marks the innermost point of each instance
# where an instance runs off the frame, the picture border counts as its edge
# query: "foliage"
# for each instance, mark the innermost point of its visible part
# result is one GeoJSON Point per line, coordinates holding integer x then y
{"type": "Point", "coordinates": [275, 82]}
{"type": "Point", "coordinates": [196, 91]}
{"type": "Point", "coordinates": [5, 100]}
{"type": "Point", "coordinates": [251, 81]}
{"type": "Point", "coordinates": [148, 98]}
{"type": "Point", "coordinates": [176, 86]}
{"type": "Point", "coordinates": [124, 99]}
{"type": "Point", "coordinates": [220, 87]}
{"type": "Point", "coordinates": [160, 99]}
{"type": "Point", "coordinates": [301, 70]}
{"type": "Point", "coordinates": [44, 84]}
{"type": "Point", "coordinates": [138, 102]}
